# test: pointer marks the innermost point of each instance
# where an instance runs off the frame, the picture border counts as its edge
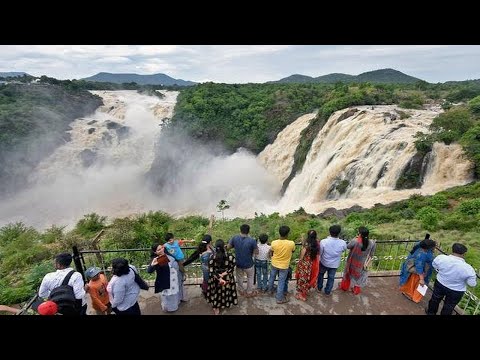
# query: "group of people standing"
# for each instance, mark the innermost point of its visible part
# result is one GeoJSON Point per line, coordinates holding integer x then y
{"type": "Point", "coordinates": [453, 275]}
{"type": "Point", "coordinates": [224, 272]}
{"type": "Point", "coordinates": [316, 258]}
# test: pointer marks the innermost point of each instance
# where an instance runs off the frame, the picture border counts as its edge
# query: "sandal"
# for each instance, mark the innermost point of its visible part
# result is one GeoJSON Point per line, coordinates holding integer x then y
{"type": "Point", "coordinates": [301, 297]}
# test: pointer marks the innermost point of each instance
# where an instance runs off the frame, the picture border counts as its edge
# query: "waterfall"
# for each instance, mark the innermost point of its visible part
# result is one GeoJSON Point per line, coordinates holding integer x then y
{"type": "Point", "coordinates": [101, 169]}
{"type": "Point", "coordinates": [277, 158]}
{"type": "Point", "coordinates": [357, 161]}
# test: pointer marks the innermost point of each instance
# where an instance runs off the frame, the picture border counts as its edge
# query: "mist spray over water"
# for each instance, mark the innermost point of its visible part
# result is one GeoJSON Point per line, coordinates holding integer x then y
{"type": "Point", "coordinates": [106, 168]}
{"type": "Point", "coordinates": [193, 178]}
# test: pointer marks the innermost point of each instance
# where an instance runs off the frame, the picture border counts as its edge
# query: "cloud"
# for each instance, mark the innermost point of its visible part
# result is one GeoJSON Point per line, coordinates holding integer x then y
{"type": "Point", "coordinates": [242, 63]}
{"type": "Point", "coordinates": [114, 60]}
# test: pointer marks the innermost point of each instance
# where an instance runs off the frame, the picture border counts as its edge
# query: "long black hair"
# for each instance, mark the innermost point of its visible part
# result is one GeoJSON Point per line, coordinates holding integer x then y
{"type": "Point", "coordinates": [312, 244]}
{"type": "Point", "coordinates": [153, 252]}
{"type": "Point", "coordinates": [220, 253]}
{"type": "Point", "coordinates": [421, 244]}
{"type": "Point", "coordinates": [201, 248]}
{"type": "Point", "coordinates": [363, 231]}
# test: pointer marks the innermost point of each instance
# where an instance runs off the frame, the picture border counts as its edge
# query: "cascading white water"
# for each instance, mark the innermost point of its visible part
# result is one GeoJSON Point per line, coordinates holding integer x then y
{"type": "Point", "coordinates": [101, 169]}
{"type": "Point", "coordinates": [277, 158]}
{"type": "Point", "coordinates": [368, 151]}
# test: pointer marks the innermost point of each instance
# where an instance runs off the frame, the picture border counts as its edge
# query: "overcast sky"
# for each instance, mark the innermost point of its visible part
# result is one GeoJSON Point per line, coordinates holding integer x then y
{"type": "Point", "coordinates": [242, 63]}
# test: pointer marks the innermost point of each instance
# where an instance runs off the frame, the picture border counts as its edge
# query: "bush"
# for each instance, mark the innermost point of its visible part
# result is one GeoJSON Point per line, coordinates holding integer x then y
{"type": "Point", "coordinates": [458, 222]}
{"type": "Point", "coordinates": [408, 214]}
{"type": "Point", "coordinates": [470, 207]}
{"type": "Point", "coordinates": [438, 201]}
{"type": "Point", "coordinates": [90, 224]}
{"type": "Point", "coordinates": [11, 232]}
{"type": "Point", "coordinates": [474, 105]}
{"type": "Point", "coordinates": [429, 217]}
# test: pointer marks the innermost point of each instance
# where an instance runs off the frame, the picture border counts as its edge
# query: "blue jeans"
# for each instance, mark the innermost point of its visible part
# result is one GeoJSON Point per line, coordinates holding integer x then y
{"type": "Point", "coordinates": [261, 268]}
{"type": "Point", "coordinates": [282, 287]}
{"type": "Point", "coordinates": [330, 278]}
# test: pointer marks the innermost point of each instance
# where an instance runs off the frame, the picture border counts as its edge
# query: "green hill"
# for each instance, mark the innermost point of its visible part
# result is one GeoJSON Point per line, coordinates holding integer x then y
{"type": "Point", "coordinates": [295, 79]}
{"type": "Point", "coordinates": [381, 76]}
{"type": "Point", "coordinates": [154, 79]}
{"type": "Point", "coordinates": [386, 76]}
{"type": "Point", "coordinates": [335, 77]}
{"type": "Point", "coordinates": [12, 74]}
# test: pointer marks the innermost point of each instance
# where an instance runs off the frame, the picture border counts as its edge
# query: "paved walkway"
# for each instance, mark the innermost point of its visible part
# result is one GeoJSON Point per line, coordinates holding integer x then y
{"type": "Point", "coordinates": [380, 297]}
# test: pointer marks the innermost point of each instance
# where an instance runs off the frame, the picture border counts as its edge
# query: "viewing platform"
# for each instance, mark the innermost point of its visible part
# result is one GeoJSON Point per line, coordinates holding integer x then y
{"type": "Point", "coordinates": [380, 297]}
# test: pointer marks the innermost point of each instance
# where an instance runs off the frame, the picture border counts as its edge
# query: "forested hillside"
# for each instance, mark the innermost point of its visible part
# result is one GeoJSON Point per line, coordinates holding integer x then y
{"type": "Point", "coordinates": [381, 76]}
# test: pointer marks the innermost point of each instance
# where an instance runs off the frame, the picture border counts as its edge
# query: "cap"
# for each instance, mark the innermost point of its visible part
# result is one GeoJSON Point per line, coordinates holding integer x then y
{"type": "Point", "coordinates": [92, 271]}
{"type": "Point", "coordinates": [47, 308]}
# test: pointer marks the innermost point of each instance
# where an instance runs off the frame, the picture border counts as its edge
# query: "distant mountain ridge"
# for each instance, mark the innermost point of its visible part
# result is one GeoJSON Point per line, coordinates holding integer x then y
{"type": "Point", "coordinates": [154, 79]}
{"type": "Point", "coordinates": [13, 74]}
{"type": "Point", "coordinates": [376, 76]}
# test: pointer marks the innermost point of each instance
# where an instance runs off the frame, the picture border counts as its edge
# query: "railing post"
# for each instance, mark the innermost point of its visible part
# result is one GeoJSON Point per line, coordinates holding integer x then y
{"type": "Point", "coordinates": [78, 262]}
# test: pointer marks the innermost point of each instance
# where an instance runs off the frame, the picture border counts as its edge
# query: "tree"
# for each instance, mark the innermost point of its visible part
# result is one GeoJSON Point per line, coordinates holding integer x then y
{"type": "Point", "coordinates": [222, 206]}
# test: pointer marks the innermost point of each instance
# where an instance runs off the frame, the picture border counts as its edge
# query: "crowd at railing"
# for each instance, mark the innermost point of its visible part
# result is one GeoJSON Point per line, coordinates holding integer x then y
{"type": "Point", "coordinates": [387, 260]}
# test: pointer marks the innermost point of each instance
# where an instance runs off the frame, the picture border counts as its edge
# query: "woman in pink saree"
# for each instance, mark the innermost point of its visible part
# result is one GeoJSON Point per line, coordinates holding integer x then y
{"type": "Point", "coordinates": [358, 260]}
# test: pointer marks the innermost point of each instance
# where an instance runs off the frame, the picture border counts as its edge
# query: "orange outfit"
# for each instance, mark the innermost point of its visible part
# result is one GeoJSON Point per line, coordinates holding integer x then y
{"type": "Point", "coordinates": [99, 294]}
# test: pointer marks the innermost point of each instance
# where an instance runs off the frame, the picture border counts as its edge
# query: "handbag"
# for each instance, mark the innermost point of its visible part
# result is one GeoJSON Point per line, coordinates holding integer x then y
{"type": "Point", "coordinates": [410, 265]}
{"type": "Point", "coordinates": [162, 260]}
{"type": "Point", "coordinates": [142, 283]}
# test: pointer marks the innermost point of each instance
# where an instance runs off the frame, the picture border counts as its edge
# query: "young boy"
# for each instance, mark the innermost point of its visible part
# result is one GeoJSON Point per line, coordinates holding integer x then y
{"type": "Point", "coordinates": [97, 288]}
{"type": "Point", "coordinates": [172, 247]}
{"type": "Point", "coordinates": [261, 263]}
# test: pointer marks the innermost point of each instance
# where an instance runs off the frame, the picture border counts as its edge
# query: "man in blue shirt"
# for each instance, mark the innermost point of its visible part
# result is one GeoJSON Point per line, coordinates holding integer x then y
{"type": "Point", "coordinates": [245, 247]}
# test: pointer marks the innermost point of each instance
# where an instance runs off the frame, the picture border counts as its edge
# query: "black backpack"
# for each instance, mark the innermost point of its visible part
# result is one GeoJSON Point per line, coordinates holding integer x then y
{"type": "Point", "coordinates": [64, 297]}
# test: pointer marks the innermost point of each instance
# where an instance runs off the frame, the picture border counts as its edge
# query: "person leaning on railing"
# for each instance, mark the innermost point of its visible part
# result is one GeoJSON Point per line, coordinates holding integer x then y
{"type": "Point", "coordinates": [417, 270]}
{"type": "Point", "coordinates": [454, 274]}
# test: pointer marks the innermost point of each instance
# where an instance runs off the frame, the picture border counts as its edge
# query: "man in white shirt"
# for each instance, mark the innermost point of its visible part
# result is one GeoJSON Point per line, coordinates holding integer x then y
{"type": "Point", "coordinates": [454, 274]}
{"type": "Point", "coordinates": [55, 279]}
{"type": "Point", "coordinates": [331, 250]}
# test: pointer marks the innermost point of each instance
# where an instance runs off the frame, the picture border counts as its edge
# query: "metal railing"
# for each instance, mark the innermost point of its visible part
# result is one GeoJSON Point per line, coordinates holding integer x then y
{"type": "Point", "coordinates": [387, 260]}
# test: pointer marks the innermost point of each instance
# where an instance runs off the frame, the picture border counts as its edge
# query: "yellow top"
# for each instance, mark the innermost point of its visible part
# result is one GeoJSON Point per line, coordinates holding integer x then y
{"type": "Point", "coordinates": [282, 253]}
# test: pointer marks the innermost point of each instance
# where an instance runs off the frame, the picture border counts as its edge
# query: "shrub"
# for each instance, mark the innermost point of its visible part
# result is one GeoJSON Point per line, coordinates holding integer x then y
{"type": "Point", "coordinates": [470, 207]}
{"type": "Point", "coordinates": [438, 201]}
{"type": "Point", "coordinates": [90, 224]}
{"type": "Point", "coordinates": [474, 105]}
{"type": "Point", "coordinates": [429, 217]}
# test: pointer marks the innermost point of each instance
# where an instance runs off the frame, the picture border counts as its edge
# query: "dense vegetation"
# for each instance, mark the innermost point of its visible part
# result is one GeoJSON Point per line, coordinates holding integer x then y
{"type": "Point", "coordinates": [26, 254]}
{"type": "Point", "coordinates": [458, 124]}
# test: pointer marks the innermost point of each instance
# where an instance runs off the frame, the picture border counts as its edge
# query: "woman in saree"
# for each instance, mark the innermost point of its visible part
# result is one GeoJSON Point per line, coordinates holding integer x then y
{"type": "Point", "coordinates": [169, 279]}
{"type": "Point", "coordinates": [417, 269]}
{"type": "Point", "coordinates": [358, 261]}
{"type": "Point", "coordinates": [308, 266]}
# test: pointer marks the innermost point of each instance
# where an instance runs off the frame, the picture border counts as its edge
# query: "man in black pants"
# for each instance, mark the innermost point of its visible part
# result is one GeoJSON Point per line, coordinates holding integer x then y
{"type": "Point", "coordinates": [454, 274]}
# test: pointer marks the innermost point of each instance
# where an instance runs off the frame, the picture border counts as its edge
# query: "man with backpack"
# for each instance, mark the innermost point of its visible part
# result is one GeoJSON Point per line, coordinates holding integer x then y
{"type": "Point", "coordinates": [65, 287]}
